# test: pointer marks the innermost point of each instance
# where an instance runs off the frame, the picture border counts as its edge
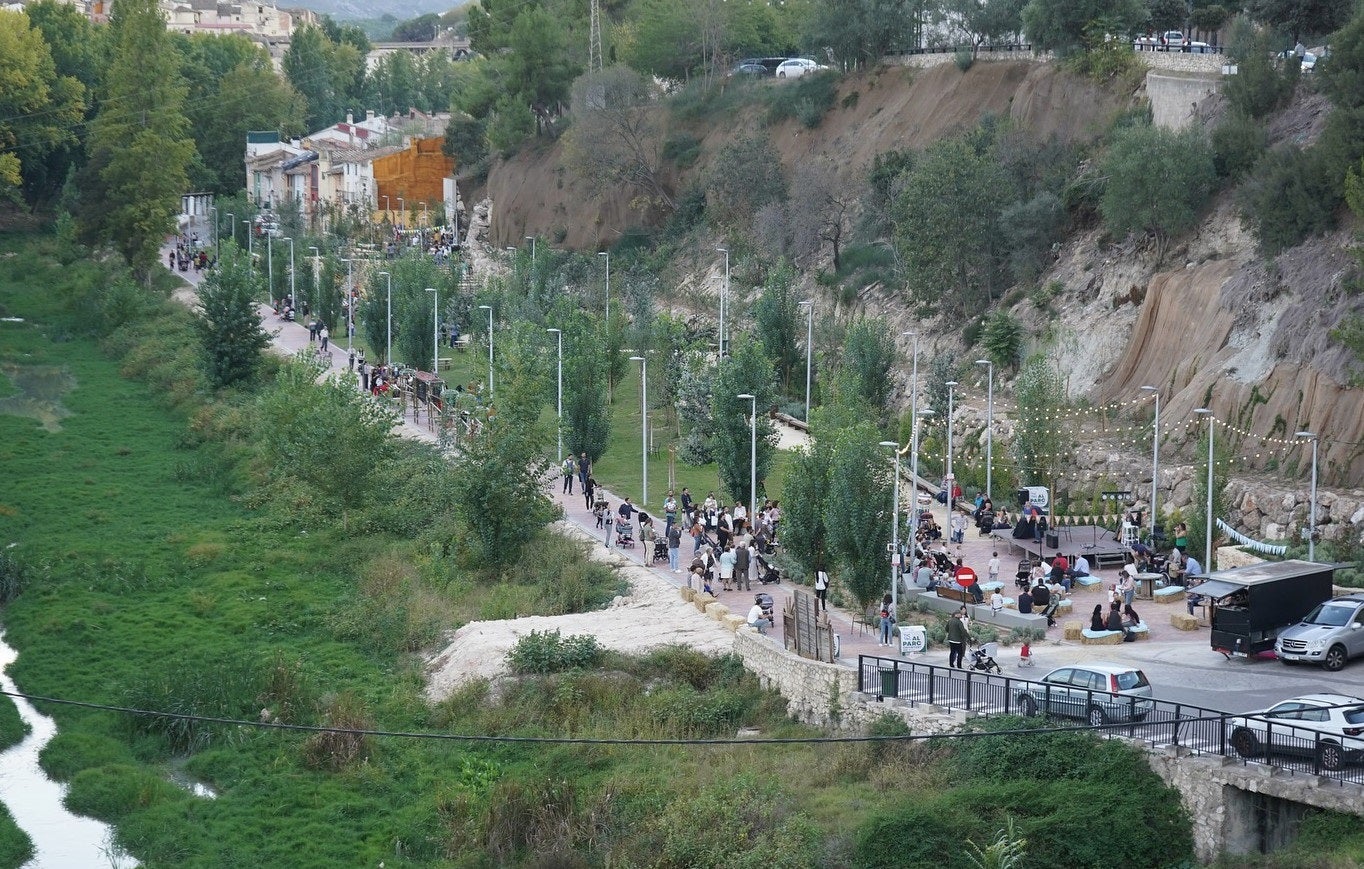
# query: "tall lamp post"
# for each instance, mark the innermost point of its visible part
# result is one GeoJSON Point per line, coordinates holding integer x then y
{"type": "Point", "coordinates": [216, 249]}
{"type": "Point", "coordinates": [559, 334]}
{"type": "Point", "coordinates": [1312, 508]}
{"type": "Point", "coordinates": [989, 425]}
{"type": "Point", "coordinates": [752, 455]}
{"type": "Point", "coordinates": [1207, 518]}
{"type": "Point", "coordinates": [388, 347]}
{"type": "Point", "coordinates": [724, 300]}
{"type": "Point", "coordinates": [388, 212]}
{"type": "Point", "coordinates": [607, 255]}
{"type": "Point", "coordinates": [402, 212]}
{"type": "Point", "coordinates": [270, 267]}
{"type": "Point", "coordinates": [293, 297]}
{"type": "Point", "coordinates": [250, 254]}
{"type": "Point", "coordinates": [914, 458]}
{"type": "Point", "coordinates": [914, 414]}
{"type": "Point", "coordinates": [895, 569]}
{"type": "Point", "coordinates": [435, 329]}
{"type": "Point", "coordinates": [1155, 457]}
{"type": "Point", "coordinates": [232, 224]}
{"type": "Point", "coordinates": [489, 309]}
{"type": "Point", "coordinates": [643, 427]}
{"type": "Point", "coordinates": [531, 239]}
{"type": "Point", "coordinates": [951, 393]}
{"type": "Point", "coordinates": [809, 350]}
{"type": "Point", "coordinates": [317, 263]}
{"type": "Point", "coordinates": [350, 304]}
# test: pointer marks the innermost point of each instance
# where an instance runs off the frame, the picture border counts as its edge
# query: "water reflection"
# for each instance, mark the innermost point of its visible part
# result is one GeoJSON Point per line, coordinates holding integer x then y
{"type": "Point", "coordinates": [61, 840]}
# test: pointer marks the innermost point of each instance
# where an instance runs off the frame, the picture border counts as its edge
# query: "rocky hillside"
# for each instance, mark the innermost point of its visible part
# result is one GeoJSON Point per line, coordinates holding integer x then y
{"type": "Point", "coordinates": [1215, 323]}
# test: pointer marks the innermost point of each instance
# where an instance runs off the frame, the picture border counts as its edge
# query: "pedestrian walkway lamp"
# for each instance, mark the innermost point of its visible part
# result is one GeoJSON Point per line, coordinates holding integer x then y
{"type": "Point", "coordinates": [388, 212]}
{"type": "Point", "coordinates": [989, 425]}
{"type": "Point", "coordinates": [388, 347]}
{"type": "Point", "coordinates": [894, 525]}
{"type": "Point", "coordinates": [216, 249]}
{"type": "Point", "coordinates": [270, 267]}
{"type": "Point", "coordinates": [317, 263]}
{"type": "Point", "coordinates": [607, 255]}
{"type": "Point", "coordinates": [250, 256]}
{"type": "Point", "coordinates": [752, 456]}
{"type": "Point", "coordinates": [293, 298]}
{"type": "Point", "coordinates": [951, 394]}
{"type": "Point", "coordinates": [435, 329]}
{"type": "Point", "coordinates": [643, 427]}
{"type": "Point", "coordinates": [1155, 457]}
{"type": "Point", "coordinates": [559, 335]}
{"type": "Point", "coordinates": [914, 413]}
{"type": "Point", "coordinates": [809, 351]}
{"type": "Point", "coordinates": [232, 224]}
{"type": "Point", "coordinates": [724, 299]}
{"type": "Point", "coordinates": [1312, 508]}
{"type": "Point", "coordinates": [350, 302]}
{"type": "Point", "coordinates": [914, 457]}
{"type": "Point", "coordinates": [1207, 519]}
{"type": "Point", "coordinates": [489, 309]}
{"type": "Point", "coordinates": [531, 239]}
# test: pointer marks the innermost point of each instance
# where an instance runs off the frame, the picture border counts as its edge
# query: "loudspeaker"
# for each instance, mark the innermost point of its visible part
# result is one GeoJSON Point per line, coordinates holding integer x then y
{"type": "Point", "coordinates": [1053, 540]}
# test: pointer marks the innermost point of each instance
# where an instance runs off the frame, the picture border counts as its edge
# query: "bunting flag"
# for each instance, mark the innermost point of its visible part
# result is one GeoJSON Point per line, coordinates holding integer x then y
{"type": "Point", "coordinates": [1254, 545]}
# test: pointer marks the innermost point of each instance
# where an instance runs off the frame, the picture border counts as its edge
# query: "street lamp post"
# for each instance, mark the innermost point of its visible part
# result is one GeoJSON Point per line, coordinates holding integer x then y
{"type": "Point", "coordinates": [216, 249]}
{"type": "Point", "coordinates": [895, 526]}
{"type": "Point", "coordinates": [724, 300]}
{"type": "Point", "coordinates": [402, 212]}
{"type": "Point", "coordinates": [1155, 457]}
{"type": "Point", "coordinates": [989, 425]}
{"type": "Point", "coordinates": [951, 394]}
{"type": "Point", "coordinates": [1312, 508]}
{"type": "Point", "coordinates": [607, 255]}
{"type": "Point", "coordinates": [914, 458]}
{"type": "Point", "coordinates": [914, 413]}
{"type": "Point", "coordinates": [350, 304]}
{"type": "Point", "coordinates": [643, 427]}
{"type": "Point", "coordinates": [435, 329]}
{"type": "Point", "coordinates": [388, 347]}
{"type": "Point", "coordinates": [489, 309]}
{"type": "Point", "coordinates": [270, 267]}
{"type": "Point", "coordinates": [531, 239]}
{"type": "Point", "coordinates": [388, 212]}
{"type": "Point", "coordinates": [250, 255]}
{"type": "Point", "coordinates": [809, 350]}
{"type": "Point", "coordinates": [559, 334]}
{"type": "Point", "coordinates": [293, 297]}
{"type": "Point", "coordinates": [752, 456]}
{"type": "Point", "coordinates": [317, 263]}
{"type": "Point", "coordinates": [232, 224]}
{"type": "Point", "coordinates": [1207, 519]}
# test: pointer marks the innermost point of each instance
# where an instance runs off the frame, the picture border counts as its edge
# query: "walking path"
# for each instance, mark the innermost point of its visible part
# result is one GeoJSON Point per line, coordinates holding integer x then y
{"type": "Point", "coordinates": [855, 639]}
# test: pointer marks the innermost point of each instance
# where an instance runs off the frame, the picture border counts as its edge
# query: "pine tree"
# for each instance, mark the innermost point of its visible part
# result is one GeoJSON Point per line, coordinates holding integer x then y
{"type": "Point", "coordinates": [230, 333]}
{"type": "Point", "coordinates": [139, 144]}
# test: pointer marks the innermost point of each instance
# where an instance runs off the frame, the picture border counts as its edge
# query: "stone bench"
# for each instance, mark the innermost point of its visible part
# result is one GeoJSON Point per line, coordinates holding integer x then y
{"type": "Point", "coordinates": [1100, 638]}
{"type": "Point", "coordinates": [1184, 622]}
{"type": "Point", "coordinates": [1171, 594]}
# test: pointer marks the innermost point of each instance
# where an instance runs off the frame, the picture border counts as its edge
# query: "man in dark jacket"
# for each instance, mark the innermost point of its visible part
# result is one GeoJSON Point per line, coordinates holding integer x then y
{"type": "Point", "coordinates": [741, 559]}
{"type": "Point", "coordinates": [957, 638]}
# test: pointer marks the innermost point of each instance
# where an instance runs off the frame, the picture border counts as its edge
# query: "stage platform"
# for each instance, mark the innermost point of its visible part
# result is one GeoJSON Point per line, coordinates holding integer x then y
{"type": "Point", "coordinates": [1099, 545]}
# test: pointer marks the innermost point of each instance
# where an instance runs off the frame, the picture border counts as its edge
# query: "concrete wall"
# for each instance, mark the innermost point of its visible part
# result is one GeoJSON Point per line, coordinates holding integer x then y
{"type": "Point", "coordinates": [1175, 96]}
{"type": "Point", "coordinates": [1241, 808]}
{"type": "Point", "coordinates": [1172, 61]}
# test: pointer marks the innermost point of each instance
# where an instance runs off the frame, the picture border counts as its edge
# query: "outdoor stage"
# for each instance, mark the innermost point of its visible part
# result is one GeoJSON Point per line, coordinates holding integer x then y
{"type": "Point", "coordinates": [1099, 545]}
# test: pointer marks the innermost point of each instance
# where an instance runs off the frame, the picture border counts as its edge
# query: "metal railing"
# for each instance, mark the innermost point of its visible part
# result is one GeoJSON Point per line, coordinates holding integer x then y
{"type": "Point", "coordinates": [1157, 723]}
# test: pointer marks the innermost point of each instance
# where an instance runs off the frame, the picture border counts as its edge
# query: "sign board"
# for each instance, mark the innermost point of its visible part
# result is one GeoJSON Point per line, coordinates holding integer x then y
{"type": "Point", "coordinates": [913, 639]}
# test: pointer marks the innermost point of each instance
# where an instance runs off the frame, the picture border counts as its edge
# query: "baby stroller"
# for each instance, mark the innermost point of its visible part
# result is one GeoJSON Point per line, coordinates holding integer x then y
{"type": "Point", "coordinates": [983, 659]}
{"type": "Point", "coordinates": [764, 600]}
{"type": "Point", "coordinates": [767, 574]}
{"type": "Point", "coordinates": [660, 550]}
{"type": "Point", "coordinates": [1022, 576]}
{"type": "Point", "coordinates": [625, 534]}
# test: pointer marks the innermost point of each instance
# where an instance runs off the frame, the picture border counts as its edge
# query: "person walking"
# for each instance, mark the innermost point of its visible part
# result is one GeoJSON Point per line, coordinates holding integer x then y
{"type": "Point", "coordinates": [589, 489]}
{"type": "Point", "coordinates": [324, 336]}
{"type": "Point", "coordinates": [957, 637]}
{"type": "Point", "coordinates": [584, 468]}
{"type": "Point", "coordinates": [887, 619]}
{"type": "Point", "coordinates": [821, 591]}
{"type": "Point", "coordinates": [569, 469]}
{"type": "Point", "coordinates": [674, 533]}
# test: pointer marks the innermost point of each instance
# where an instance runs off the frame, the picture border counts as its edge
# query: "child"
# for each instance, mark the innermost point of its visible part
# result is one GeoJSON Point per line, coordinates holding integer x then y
{"type": "Point", "coordinates": [994, 567]}
{"type": "Point", "coordinates": [996, 602]}
{"type": "Point", "coordinates": [705, 585]}
{"type": "Point", "coordinates": [600, 512]}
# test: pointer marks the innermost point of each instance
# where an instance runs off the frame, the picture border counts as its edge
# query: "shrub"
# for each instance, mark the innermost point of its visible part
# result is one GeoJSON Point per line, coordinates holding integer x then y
{"type": "Point", "coordinates": [393, 611]}
{"type": "Point", "coordinates": [1029, 230]}
{"type": "Point", "coordinates": [14, 577]}
{"type": "Point", "coordinates": [335, 751]}
{"type": "Point", "coordinates": [807, 99]}
{"type": "Point", "coordinates": [964, 59]}
{"type": "Point", "coordinates": [738, 822]}
{"type": "Point", "coordinates": [1158, 182]}
{"type": "Point", "coordinates": [682, 148]}
{"type": "Point", "coordinates": [548, 652]}
{"type": "Point", "coordinates": [1237, 144]}
{"type": "Point", "coordinates": [1002, 339]}
{"type": "Point", "coordinates": [221, 689]}
{"type": "Point", "coordinates": [1288, 197]}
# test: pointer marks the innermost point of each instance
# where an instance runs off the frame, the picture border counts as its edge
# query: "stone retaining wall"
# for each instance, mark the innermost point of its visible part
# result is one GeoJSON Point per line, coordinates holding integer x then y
{"type": "Point", "coordinates": [816, 693]}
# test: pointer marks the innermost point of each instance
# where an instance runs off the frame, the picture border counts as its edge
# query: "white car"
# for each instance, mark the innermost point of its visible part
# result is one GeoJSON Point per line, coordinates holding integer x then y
{"type": "Point", "coordinates": [795, 67]}
{"type": "Point", "coordinates": [1329, 727]}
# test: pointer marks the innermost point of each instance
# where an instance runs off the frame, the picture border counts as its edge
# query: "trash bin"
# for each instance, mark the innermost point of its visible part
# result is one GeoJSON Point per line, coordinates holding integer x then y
{"type": "Point", "coordinates": [890, 682]}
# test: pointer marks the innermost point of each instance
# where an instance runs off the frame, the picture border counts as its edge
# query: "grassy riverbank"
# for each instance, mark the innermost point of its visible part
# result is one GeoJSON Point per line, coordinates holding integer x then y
{"type": "Point", "coordinates": [15, 847]}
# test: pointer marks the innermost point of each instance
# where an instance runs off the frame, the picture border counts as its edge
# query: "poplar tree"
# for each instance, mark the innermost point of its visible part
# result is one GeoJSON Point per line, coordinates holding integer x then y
{"type": "Point", "coordinates": [139, 144]}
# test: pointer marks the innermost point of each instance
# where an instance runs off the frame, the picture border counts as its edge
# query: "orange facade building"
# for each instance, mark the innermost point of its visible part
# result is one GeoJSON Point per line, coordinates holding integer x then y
{"type": "Point", "coordinates": [415, 174]}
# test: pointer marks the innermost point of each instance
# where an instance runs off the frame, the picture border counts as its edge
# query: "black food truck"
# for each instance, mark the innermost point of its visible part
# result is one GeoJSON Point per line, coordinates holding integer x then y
{"type": "Point", "coordinates": [1249, 606]}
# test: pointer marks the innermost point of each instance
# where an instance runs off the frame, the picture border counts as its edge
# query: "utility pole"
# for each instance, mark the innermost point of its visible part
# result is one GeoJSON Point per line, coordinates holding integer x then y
{"type": "Point", "coordinates": [594, 52]}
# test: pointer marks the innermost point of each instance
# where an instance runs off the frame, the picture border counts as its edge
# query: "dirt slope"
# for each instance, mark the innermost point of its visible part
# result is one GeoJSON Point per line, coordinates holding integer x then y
{"type": "Point", "coordinates": [894, 107]}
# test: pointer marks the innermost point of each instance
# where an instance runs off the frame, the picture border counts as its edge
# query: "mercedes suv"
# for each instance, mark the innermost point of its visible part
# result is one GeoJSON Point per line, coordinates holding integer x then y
{"type": "Point", "coordinates": [1330, 635]}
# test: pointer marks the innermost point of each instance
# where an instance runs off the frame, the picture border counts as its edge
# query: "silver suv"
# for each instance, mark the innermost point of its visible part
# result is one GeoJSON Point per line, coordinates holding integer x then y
{"type": "Point", "coordinates": [1094, 692]}
{"type": "Point", "coordinates": [1330, 635]}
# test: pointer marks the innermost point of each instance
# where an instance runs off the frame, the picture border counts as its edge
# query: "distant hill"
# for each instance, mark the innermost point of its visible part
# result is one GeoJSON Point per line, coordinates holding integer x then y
{"type": "Point", "coordinates": [351, 10]}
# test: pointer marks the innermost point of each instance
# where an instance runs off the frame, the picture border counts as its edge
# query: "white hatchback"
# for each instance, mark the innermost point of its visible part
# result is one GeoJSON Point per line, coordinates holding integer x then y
{"type": "Point", "coordinates": [795, 67]}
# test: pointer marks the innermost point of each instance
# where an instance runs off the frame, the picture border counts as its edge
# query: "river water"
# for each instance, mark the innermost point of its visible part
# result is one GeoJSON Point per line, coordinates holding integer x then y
{"type": "Point", "coordinates": [61, 840]}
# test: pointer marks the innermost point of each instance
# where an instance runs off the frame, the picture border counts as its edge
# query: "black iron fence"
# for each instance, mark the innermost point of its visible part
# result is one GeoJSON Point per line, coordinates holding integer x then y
{"type": "Point", "coordinates": [1196, 729]}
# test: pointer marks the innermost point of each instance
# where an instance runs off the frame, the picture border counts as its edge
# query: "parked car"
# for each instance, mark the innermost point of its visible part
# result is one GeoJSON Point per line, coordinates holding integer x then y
{"type": "Point", "coordinates": [1326, 726]}
{"type": "Point", "coordinates": [749, 67]}
{"type": "Point", "coordinates": [1330, 635]}
{"type": "Point", "coordinates": [795, 67]}
{"type": "Point", "coordinates": [1096, 692]}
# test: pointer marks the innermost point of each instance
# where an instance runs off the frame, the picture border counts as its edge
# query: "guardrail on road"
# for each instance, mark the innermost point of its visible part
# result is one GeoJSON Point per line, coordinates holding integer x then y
{"type": "Point", "coordinates": [1197, 729]}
